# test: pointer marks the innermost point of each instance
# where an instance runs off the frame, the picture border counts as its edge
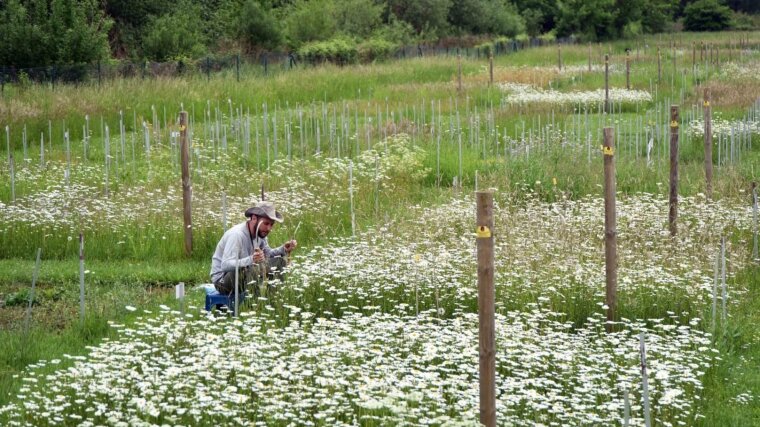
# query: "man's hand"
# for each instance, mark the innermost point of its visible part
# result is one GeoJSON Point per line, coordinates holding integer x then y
{"type": "Point", "coordinates": [258, 256]}
{"type": "Point", "coordinates": [290, 245]}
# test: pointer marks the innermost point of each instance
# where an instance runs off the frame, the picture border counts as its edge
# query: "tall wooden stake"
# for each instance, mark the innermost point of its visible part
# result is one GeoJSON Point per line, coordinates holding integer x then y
{"type": "Point", "coordinates": [610, 224]}
{"type": "Point", "coordinates": [708, 144]}
{"type": "Point", "coordinates": [673, 211]}
{"type": "Point", "coordinates": [628, 70]}
{"type": "Point", "coordinates": [486, 308]}
{"type": "Point", "coordinates": [606, 83]}
{"type": "Point", "coordinates": [187, 192]}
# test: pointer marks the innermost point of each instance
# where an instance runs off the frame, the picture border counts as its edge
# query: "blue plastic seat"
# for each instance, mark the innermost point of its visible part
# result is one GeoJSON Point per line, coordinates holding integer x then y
{"type": "Point", "coordinates": [216, 299]}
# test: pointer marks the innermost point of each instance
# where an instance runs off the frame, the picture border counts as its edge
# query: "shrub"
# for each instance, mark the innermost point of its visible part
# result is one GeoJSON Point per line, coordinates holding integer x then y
{"type": "Point", "coordinates": [257, 26]}
{"type": "Point", "coordinates": [338, 50]}
{"type": "Point", "coordinates": [174, 36]}
{"type": "Point", "coordinates": [706, 15]}
{"type": "Point", "coordinates": [375, 49]}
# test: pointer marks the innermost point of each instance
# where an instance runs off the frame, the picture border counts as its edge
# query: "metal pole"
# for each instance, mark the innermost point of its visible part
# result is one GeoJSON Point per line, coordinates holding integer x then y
{"type": "Point", "coordinates": [486, 308]}
{"type": "Point", "coordinates": [81, 276]}
{"type": "Point", "coordinates": [708, 143]}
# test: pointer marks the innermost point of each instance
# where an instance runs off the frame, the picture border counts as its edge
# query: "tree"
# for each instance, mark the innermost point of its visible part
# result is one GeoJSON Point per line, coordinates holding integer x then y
{"type": "Point", "coordinates": [548, 10]}
{"type": "Point", "coordinates": [485, 17]}
{"type": "Point", "coordinates": [309, 21]}
{"type": "Point", "coordinates": [174, 36]}
{"type": "Point", "coordinates": [589, 19]}
{"type": "Point", "coordinates": [358, 17]}
{"type": "Point", "coordinates": [257, 25]}
{"type": "Point", "coordinates": [706, 15]}
{"type": "Point", "coordinates": [427, 17]}
{"type": "Point", "coordinates": [37, 33]}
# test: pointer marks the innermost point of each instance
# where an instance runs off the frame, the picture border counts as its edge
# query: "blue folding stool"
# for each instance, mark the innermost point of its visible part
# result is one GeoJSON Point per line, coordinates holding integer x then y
{"type": "Point", "coordinates": [214, 298]}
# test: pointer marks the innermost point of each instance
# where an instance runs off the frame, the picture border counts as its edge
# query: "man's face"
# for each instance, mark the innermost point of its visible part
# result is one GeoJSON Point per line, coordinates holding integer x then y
{"type": "Point", "coordinates": [265, 226]}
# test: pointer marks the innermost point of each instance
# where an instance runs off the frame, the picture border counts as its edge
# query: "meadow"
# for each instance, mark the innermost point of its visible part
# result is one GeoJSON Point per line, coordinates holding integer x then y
{"type": "Point", "coordinates": [375, 167]}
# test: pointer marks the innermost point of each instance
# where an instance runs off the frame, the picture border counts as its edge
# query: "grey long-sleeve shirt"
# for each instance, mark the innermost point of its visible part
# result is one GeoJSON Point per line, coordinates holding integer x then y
{"type": "Point", "coordinates": [235, 251]}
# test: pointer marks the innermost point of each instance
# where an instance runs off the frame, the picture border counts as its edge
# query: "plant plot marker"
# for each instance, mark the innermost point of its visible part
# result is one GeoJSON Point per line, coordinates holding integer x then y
{"type": "Point", "coordinates": [31, 293]}
{"type": "Point", "coordinates": [724, 294]}
{"type": "Point", "coordinates": [81, 277]}
{"type": "Point", "coordinates": [707, 109]}
{"type": "Point", "coordinates": [179, 293]}
{"type": "Point", "coordinates": [644, 379]}
{"type": "Point", "coordinates": [486, 307]}
{"type": "Point", "coordinates": [755, 255]}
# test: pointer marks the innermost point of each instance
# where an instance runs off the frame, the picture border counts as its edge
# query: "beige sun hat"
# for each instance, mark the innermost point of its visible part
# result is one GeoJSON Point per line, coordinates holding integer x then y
{"type": "Point", "coordinates": [264, 209]}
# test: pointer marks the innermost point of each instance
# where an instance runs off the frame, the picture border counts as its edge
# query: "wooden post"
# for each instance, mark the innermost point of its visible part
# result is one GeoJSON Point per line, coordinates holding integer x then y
{"type": "Point", "coordinates": [486, 308]}
{"type": "Point", "coordinates": [187, 192]}
{"type": "Point", "coordinates": [589, 57]}
{"type": "Point", "coordinates": [459, 73]}
{"type": "Point", "coordinates": [606, 83]}
{"type": "Point", "coordinates": [673, 211]}
{"type": "Point", "coordinates": [628, 70]}
{"type": "Point", "coordinates": [708, 143]}
{"type": "Point", "coordinates": [559, 56]}
{"type": "Point", "coordinates": [490, 68]}
{"type": "Point", "coordinates": [610, 232]}
{"type": "Point", "coordinates": [693, 56]}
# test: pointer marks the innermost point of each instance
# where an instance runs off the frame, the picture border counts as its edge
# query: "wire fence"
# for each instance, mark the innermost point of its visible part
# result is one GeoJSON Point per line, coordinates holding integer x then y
{"type": "Point", "coordinates": [261, 64]}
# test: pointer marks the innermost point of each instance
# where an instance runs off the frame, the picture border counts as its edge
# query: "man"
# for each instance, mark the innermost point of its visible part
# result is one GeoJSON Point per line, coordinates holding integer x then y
{"type": "Point", "coordinates": [245, 247]}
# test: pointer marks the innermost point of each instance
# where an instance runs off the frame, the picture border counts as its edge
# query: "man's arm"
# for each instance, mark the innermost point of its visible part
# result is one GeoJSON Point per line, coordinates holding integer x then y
{"type": "Point", "coordinates": [271, 253]}
{"type": "Point", "coordinates": [232, 251]}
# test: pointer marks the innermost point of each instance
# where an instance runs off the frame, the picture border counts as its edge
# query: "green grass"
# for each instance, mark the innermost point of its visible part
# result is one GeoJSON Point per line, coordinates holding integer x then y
{"type": "Point", "coordinates": [142, 271]}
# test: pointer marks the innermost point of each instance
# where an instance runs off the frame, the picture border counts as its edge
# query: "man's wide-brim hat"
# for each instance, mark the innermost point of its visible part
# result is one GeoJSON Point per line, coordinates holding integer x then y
{"type": "Point", "coordinates": [264, 210]}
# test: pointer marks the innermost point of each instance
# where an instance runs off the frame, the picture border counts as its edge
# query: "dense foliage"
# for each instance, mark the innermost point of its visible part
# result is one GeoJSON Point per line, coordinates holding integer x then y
{"type": "Point", "coordinates": [38, 33]}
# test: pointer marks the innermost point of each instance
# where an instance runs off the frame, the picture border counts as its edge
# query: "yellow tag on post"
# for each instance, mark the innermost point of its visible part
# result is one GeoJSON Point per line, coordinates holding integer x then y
{"type": "Point", "coordinates": [706, 104]}
{"type": "Point", "coordinates": [608, 151]}
{"type": "Point", "coordinates": [483, 232]}
{"type": "Point", "coordinates": [674, 124]}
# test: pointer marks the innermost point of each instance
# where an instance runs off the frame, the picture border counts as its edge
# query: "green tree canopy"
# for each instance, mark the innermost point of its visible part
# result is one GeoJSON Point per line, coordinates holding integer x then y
{"type": "Point", "coordinates": [706, 15]}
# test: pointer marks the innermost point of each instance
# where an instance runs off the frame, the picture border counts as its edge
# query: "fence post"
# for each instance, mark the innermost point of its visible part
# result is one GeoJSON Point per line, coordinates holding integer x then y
{"type": "Point", "coordinates": [606, 83]}
{"type": "Point", "coordinates": [673, 211]}
{"type": "Point", "coordinates": [186, 189]}
{"type": "Point", "coordinates": [559, 56]}
{"type": "Point", "coordinates": [98, 73]}
{"type": "Point", "coordinates": [266, 64]}
{"type": "Point", "coordinates": [208, 69]}
{"type": "Point", "coordinates": [486, 307]}
{"type": "Point", "coordinates": [610, 224]}
{"type": "Point", "coordinates": [708, 143]}
{"type": "Point", "coordinates": [237, 66]}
